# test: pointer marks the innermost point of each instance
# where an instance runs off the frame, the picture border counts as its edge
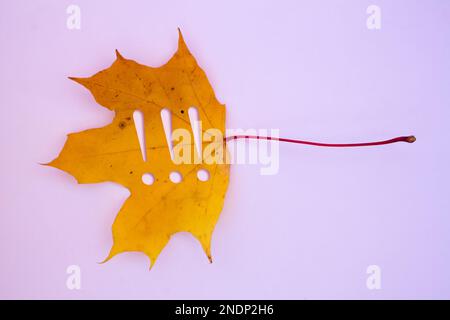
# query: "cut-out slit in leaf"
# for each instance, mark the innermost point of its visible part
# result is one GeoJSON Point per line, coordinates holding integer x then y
{"type": "Point", "coordinates": [138, 118]}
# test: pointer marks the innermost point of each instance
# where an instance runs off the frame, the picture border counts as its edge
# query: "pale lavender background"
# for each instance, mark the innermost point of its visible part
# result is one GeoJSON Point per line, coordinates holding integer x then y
{"type": "Point", "coordinates": [311, 68]}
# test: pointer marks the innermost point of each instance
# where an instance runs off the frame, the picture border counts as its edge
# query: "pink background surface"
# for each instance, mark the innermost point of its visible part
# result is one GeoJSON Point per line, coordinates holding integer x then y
{"type": "Point", "coordinates": [310, 68]}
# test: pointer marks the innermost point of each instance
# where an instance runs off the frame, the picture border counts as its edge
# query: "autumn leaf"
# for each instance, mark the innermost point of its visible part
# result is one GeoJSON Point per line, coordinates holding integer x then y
{"type": "Point", "coordinates": [152, 213]}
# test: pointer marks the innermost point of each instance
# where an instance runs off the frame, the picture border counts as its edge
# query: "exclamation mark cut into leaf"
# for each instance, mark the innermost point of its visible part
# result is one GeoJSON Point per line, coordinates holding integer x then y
{"type": "Point", "coordinates": [138, 117]}
{"type": "Point", "coordinates": [166, 118]}
{"type": "Point", "coordinates": [196, 126]}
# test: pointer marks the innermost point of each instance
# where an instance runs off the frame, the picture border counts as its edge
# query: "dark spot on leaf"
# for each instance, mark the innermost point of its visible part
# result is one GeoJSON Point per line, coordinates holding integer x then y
{"type": "Point", "coordinates": [172, 88]}
{"type": "Point", "coordinates": [122, 124]}
{"type": "Point", "coordinates": [182, 111]}
{"type": "Point", "coordinates": [131, 172]}
{"type": "Point", "coordinates": [128, 118]}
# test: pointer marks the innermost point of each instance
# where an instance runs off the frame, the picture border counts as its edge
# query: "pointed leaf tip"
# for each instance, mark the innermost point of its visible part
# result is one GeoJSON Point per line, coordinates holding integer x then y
{"type": "Point", "coordinates": [110, 255]}
{"type": "Point", "coordinates": [83, 81]}
{"type": "Point", "coordinates": [78, 80]}
{"type": "Point", "coordinates": [119, 56]}
{"type": "Point", "coordinates": [181, 43]}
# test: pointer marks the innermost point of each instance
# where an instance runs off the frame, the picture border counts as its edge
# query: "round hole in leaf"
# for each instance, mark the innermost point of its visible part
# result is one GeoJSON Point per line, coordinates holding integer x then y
{"type": "Point", "coordinates": [148, 179]}
{"type": "Point", "coordinates": [203, 175]}
{"type": "Point", "coordinates": [175, 177]}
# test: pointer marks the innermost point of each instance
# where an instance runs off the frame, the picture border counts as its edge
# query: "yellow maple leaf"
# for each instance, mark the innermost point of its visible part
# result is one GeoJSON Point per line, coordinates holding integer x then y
{"type": "Point", "coordinates": [154, 212]}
